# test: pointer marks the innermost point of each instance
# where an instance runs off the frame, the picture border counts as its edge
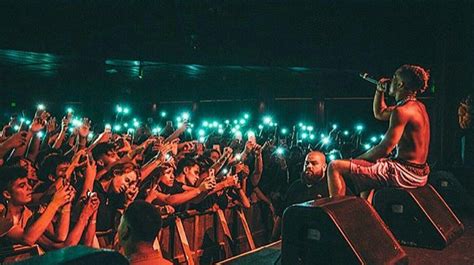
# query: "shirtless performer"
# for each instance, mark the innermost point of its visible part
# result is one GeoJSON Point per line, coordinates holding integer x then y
{"type": "Point", "coordinates": [408, 132]}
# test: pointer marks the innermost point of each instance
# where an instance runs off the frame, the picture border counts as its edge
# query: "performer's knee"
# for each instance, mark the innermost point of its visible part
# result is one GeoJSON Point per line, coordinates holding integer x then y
{"type": "Point", "coordinates": [335, 166]}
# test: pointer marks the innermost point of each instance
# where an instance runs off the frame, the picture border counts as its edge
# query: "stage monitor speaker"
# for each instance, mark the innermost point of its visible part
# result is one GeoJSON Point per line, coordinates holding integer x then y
{"type": "Point", "coordinates": [79, 255]}
{"type": "Point", "coordinates": [418, 217]}
{"type": "Point", "coordinates": [452, 191]}
{"type": "Point", "coordinates": [344, 230]}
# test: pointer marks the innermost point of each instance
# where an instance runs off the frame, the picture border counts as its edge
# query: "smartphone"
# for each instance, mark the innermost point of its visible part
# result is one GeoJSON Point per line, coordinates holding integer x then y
{"type": "Point", "coordinates": [211, 173]}
{"type": "Point", "coordinates": [90, 194]}
{"type": "Point", "coordinates": [119, 144]}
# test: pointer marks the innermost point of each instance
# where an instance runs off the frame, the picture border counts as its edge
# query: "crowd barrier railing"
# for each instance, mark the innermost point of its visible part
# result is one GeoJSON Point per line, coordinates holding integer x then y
{"type": "Point", "coordinates": [205, 237]}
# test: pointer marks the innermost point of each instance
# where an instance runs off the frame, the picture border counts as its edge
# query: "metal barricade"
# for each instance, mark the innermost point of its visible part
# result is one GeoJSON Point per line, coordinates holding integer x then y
{"type": "Point", "coordinates": [206, 237]}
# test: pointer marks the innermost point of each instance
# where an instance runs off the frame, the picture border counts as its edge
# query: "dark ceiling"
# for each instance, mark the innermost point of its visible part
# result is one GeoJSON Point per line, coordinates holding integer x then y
{"type": "Point", "coordinates": [228, 48]}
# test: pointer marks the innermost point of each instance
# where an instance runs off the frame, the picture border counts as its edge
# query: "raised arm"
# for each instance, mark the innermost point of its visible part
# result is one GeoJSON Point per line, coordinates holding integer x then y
{"type": "Point", "coordinates": [89, 176]}
{"type": "Point", "coordinates": [83, 133]}
{"type": "Point", "coordinates": [15, 141]}
{"type": "Point", "coordinates": [217, 166]}
{"type": "Point", "coordinates": [180, 198]}
{"type": "Point", "coordinates": [380, 109]}
{"type": "Point", "coordinates": [257, 173]}
{"type": "Point", "coordinates": [61, 230]}
{"type": "Point", "coordinates": [177, 133]}
{"type": "Point", "coordinates": [62, 134]}
{"type": "Point", "coordinates": [32, 233]}
{"type": "Point", "coordinates": [82, 228]}
{"type": "Point", "coordinates": [37, 125]}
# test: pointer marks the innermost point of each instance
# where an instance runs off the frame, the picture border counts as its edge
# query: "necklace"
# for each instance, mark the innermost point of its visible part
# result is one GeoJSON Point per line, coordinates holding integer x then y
{"type": "Point", "coordinates": [405, 100]}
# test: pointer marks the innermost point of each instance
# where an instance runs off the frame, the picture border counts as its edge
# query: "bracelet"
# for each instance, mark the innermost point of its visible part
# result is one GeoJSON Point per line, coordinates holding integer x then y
{"type": "Point", "coordinates": [93, 221]}
{"type": "Point", "coordinates": [65, 211]}
{"type": "Point", "coordinates": [378, 90]}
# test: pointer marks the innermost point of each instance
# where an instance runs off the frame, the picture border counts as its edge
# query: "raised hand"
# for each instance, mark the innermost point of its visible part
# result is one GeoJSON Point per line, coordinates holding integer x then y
{"type": "Point", "coordinates": [249, 145]}
{"type": "Point", "coordinates": [165, 148]}
{"type": "Point", "coordinates": [232, 181]}
{"type": "Point", "coordinates": [65, 122]}
{"type": "Point", "coordinates": [174, 146]}
{"type": "Point", "coordinates": [257, 149]}
{"type": "Point", "coordinates": [85, 127]}
{"type": "Point", "coordinates": [212, 175]}
{"type": "Point", "coordinates": [71, 191]}
{"type": "Point", "coordinates": [268, 145]}
{"type": "Point", "coordinates": [152, 192]}
{"type": "Point", "coordinates": [15, 141]}
{"type": "Point", "coordinates": [42, 114]}
{"type": "Point", "coordinates": [38, 124]}
{"type": "Point", "coordinates": [126, 144]}
{"type": "Point", "coordinates": [91, 166]}
{"type": "Point", "coordinates": [104, 137]}
{"type": "Point", "coordinates": [187, 147]}
{"type": "Point", "coordinates": [77, 157]}
{"type": "Point", "coordinates": [63, 195]}
{"type": "Point", "coordinates": [91, 206]}
{"type": "Point", "coordinates": [208, 184]}
{"type": "Point", "coordinates": [228, 151]}
{"type": "Point", "coordinates": [184, 126]}
{"type": "Point", "coordinates": [157, 144]}
{"type": "Point", "coordinates": [51, 125]}
{"type": "Point", "coordinates": [383, 84]}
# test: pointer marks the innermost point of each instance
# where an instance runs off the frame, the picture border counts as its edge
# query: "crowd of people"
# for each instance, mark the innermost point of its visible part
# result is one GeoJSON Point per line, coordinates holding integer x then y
{"type": "Point", "coordinates": [59, 187]}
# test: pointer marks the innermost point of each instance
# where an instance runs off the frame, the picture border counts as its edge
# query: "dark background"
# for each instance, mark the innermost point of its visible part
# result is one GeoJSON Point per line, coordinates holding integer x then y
{"type": "Point", "coordinates": [294, 59]}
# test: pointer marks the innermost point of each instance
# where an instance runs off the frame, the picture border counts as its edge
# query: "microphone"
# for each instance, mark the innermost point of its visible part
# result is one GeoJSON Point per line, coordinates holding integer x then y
{"type": "Point", "coordinates": [370, 79]}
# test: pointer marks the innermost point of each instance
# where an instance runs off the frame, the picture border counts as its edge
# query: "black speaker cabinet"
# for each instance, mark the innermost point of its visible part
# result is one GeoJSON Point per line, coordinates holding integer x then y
{"type": "Point", "coordinates": [344, 230]}
{"type": "Point", "coordinates": [418, 217]}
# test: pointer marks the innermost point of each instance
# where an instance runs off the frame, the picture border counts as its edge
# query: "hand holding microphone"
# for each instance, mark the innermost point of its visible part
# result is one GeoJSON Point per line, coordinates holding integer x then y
{"type": "Point", "coordinates": [382, 84]}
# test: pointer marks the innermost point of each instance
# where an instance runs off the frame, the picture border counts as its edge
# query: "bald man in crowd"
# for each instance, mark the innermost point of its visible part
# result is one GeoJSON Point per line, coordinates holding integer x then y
{"type": "Point", "coordinates": [313, 182]}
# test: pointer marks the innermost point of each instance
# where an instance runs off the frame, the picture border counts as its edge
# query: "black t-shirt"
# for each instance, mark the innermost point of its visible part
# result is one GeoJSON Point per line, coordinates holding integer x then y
{"type": "Point", "coordinates": [175, 189]}
{"type": "Point", "coordinates": [107, 209]}
{"type": "Point", "coordinates": [299, 192]}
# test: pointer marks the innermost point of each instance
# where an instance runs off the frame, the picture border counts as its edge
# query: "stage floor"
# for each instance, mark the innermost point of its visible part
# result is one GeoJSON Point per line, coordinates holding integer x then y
{"type": "Point", "coordinates": [460, 252]}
